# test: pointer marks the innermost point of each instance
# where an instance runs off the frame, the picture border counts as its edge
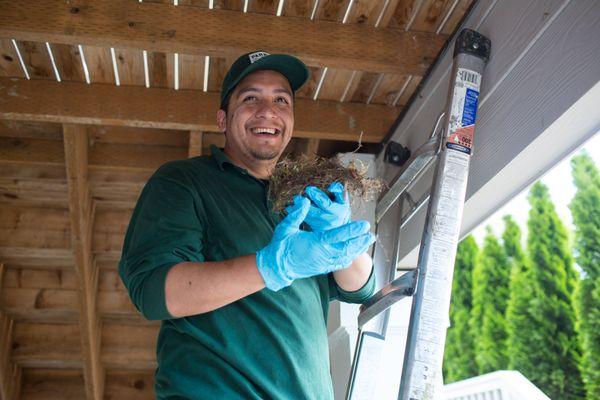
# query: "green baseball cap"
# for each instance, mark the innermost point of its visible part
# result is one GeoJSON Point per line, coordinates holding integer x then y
{"type": "Point", "coordinates": [291, 67]}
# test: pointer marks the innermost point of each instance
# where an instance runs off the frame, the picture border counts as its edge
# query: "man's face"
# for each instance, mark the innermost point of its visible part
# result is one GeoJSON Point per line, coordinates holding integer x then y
{"type": "Point", "coordinates": [260, 118]}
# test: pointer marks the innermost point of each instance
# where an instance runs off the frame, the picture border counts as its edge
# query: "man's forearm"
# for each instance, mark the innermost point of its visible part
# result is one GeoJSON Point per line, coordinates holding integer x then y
{"type": "Point", "coordinates": [195, 288]}
{"type": "Point", "coordinates": [356, 275]}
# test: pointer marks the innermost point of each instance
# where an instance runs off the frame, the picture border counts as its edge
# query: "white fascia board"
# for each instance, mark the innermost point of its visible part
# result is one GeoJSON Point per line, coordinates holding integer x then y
{"type": "Point", "coordinates": [545, 58]}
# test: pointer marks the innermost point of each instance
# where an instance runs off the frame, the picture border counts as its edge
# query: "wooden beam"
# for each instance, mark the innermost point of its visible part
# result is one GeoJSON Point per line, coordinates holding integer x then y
{"type": "Point", "coordinates": [10, 373]}
{"type": "Point", "coordinates": [69, 102]}
{"type": "Point", "coordinates": [81, 211]}
{"type": "Point", "coordinates": [60, 305]}
{"type": "Point", "coordinates": [310, 147]}
{"type": "Point", "coordinates": [164, 28]}
{"type": "Point", "coordinates": [195, 147]}
{"type": "Point", "coordinates": [126, 347]}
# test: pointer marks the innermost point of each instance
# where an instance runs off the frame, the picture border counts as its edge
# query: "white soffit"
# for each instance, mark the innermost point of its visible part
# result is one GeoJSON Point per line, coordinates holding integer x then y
{"type": "Point", "coordinates": [540, 80]}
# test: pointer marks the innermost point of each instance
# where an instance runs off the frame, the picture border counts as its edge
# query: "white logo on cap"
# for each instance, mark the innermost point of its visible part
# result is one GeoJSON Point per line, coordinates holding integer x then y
{"type": "Point", "coordinates": [257, 56]}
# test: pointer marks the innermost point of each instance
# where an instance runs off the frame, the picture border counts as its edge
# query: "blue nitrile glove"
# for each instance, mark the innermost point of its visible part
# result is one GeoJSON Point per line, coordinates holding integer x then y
{"type": "Point", "coordinates": [294, 253]}
{"type": "Point", "coordinates": [325, 213]}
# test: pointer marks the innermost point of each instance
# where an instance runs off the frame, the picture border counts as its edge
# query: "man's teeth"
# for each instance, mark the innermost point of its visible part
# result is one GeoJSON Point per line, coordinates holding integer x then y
{"type": "Point", "coordinates": [268, 131]}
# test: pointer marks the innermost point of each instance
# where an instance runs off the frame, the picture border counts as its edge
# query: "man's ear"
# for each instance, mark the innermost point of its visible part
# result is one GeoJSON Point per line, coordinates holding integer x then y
{"type": "Point", "coordinates": [222, 120]}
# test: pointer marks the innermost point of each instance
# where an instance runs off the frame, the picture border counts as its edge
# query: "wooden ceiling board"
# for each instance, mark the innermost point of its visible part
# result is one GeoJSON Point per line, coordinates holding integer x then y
{"type": "Point", "coordinates": [34, 192]}
{"type": "Point", "coordinates": [133, 135]}
{"type": "Point", "coordinates": [37, 151]}
{"type": "Point", "coordinates": [37, 60]}
{"type": "Point", "coordinates": [129, 346]}
{"type": "Point", "coordinates": [408, 92]}
{"type": "Point", "coordinates": [319, 43]}
{"type": "Point", "coordinates": [431, 14]}
{"type": "Point", "coordinates": [217, 70]}
{"type": "Point", "coordinates": [298, 8]}
{"type": "Point", "coordinates": [130, 64]}
{"type": "Point", "coordinates": [134, 156]}
{"type": "Point", "coordinates": [51, 296]}
{"type": "Point", "coordinates": [191, 71]}
{"type": "Point", "coordinates": [403, 13]}
{"type": "Point", "coordinates": [21, 171]}
{"type": "Point", "coordinates": [9, 60]}
{"type": "Point", "coordinates": [46, 345]}
{"type": "Point", "coordinates": [457, 14]}
{"type": "Point", "coordinates": [130, 385]}
{"type": "Point", "coordinates": [21, 227]}
{"type": "Point", "coordinates": [24, 278]}
{"type": "Point", "coordinates": [99, 62]}
{"type": "Point", "coordinates": [42, 384]}
{"type": "Point", "coordinates": [332, 11]}
{"type": "Point", "coordinates": [233, 5]}
{"type": "Point", "coordinates": [356, 82]}
{"type": "Point", "coordinates": [157, 69]}
{"type": "Point", "coordinates": [263, 6]}
{"type": "Point", "coordinates": [68, 62]}
{"type": "Point", "coordinates": [30, 129]}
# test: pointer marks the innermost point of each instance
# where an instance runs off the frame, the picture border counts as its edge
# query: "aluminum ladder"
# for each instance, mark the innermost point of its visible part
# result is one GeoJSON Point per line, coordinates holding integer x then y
{"type": "Point", "coordinates": [430, 284]}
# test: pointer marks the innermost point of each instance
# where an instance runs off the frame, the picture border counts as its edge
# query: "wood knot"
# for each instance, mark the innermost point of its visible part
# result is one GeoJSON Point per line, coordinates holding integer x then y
{"type": "Point", "coordinates": [7, 57]}
{"type": "Point", "coordinates": [131, 24]}
{"type": "Point", "coordinates": [15, 345]}
{"type": "Point", "coordinates": [139, 384]}
{"type": "Point", "coordinates": [74, 10]}
{"type": "Point", "coordinates": [170, 33]}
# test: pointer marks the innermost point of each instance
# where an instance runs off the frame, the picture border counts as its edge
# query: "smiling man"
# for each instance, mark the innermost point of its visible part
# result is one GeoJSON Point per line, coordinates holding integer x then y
{"type": "Point", "coordinates": [243, 292]}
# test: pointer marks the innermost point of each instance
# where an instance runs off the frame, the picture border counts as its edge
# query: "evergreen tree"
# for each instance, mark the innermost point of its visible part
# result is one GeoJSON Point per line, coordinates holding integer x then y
{"type": "Point", "coordinates": [490, 297]}
{"type": "Point", "coordinates": [519, 321]}
{"type": "Point", "coordinates": [552, 351]}
{"type": "Point", "coordinates": [459, 355]}
{"type": "Point", "coordinates": [585, 208]}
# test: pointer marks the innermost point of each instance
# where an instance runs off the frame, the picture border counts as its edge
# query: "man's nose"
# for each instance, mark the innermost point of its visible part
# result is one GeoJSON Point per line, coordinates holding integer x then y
{"type": "Point", "coordinates": [265, 110]}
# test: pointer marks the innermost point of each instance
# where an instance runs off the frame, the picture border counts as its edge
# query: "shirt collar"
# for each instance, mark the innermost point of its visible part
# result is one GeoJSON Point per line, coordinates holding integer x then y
{"type": "Point", "coordinates": [219, 157]}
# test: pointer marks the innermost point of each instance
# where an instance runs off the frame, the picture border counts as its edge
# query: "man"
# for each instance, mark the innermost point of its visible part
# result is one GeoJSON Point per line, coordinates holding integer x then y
{"type": "Point", "coordinates": [241, 291]}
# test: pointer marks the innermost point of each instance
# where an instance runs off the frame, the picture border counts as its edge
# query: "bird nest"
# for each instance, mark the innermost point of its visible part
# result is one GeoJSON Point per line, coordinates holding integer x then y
{"type": "Point", "coordinates": [291, 176]}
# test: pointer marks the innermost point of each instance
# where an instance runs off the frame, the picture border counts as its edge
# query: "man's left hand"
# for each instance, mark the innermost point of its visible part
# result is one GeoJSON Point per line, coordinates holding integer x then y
{"type": "Point", "coordinates": [325, 213]}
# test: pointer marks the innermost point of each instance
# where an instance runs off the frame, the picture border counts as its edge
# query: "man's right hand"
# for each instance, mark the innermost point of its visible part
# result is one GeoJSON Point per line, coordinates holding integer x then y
{"type": "Point", "coordinates": [294, 253]}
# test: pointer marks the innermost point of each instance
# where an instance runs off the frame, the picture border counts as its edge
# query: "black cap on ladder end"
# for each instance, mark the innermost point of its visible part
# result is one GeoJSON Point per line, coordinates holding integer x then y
{"type": "Point", "coordinates": [396, 154]}
{"type": "Point", "coordinates": [474, 43]}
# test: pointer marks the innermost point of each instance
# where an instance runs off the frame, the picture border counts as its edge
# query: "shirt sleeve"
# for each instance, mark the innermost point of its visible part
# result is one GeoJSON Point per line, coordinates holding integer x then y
{"type": "Point", "coordinates": [358, 296]}
{"type": "Point", "coordinates": [165, 229]}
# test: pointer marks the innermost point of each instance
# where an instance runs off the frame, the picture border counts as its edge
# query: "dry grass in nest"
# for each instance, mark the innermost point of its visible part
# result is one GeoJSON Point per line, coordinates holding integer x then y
{"type": "Point", "coordinates": [291, 177]}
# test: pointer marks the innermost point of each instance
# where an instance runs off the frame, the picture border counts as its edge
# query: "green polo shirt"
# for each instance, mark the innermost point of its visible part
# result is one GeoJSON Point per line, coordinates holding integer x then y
{"type": "Point", "coordinates": [269, 345]}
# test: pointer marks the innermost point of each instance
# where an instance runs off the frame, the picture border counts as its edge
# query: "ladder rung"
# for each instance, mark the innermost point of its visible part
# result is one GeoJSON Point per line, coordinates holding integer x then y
{"type": "Point", "coordinates": [387, 296]}
{"type": "Point", "coordinates": [416, 165]}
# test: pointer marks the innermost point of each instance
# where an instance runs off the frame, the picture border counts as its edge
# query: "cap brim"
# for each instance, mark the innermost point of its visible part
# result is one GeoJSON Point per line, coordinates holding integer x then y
{"type": "Point", "coordinates": [289, 66]}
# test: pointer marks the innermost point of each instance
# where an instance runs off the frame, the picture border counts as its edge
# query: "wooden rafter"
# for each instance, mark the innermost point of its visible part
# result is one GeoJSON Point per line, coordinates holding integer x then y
{"type": "Point", "coordinates": [195, 146]}
{"type": "Point", "coordinates": [82, 214]}
{"type": "Point", "coordinates": [186, 110]}
{"type": "Point", "coordinates": [10, 373]}
{"type": "Point", "coordinates": [162, 27]}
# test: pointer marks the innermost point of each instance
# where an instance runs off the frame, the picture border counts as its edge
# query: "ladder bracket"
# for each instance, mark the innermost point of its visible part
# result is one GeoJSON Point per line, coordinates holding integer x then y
{"type": "Point", "coordinates": [388, 295]}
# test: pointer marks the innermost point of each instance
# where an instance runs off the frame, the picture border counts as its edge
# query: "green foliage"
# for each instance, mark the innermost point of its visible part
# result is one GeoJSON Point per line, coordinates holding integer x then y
{"type": "Point", "coordinates": [585, 208]}
{"type": "Point", "coordinates": [518, 319]}
{"type": "Point", "coordinates": [548, 351]}
{"type": "Point", "coordinates": [490, 297]}
{"type": "Point", "coordinates": [459, 356]}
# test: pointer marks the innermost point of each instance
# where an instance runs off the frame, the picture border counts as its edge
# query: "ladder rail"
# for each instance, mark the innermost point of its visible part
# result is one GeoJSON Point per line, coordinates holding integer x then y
{"type": "Point", "coordinates": [431, 282]}
{"type": "Point", "coordinates": [423, 357]}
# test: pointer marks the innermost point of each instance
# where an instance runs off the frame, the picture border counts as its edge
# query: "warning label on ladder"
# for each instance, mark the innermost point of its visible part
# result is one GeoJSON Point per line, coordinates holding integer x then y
{"type": "Point", "coordinates": [464, 111]}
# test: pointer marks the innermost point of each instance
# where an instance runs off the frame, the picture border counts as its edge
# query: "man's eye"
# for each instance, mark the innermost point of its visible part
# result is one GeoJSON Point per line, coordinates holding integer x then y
{"type": "Point", "coordinates": [249, 98]}
{"type": "Point", "coordinates": [282, 100]}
